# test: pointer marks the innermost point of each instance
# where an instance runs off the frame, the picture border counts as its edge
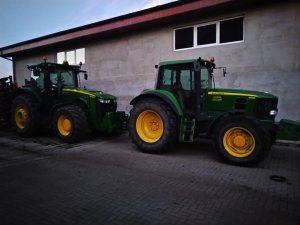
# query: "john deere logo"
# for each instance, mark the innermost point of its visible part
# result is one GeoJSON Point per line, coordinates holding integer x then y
{"type": "Point", "coordinates": [217, 98]}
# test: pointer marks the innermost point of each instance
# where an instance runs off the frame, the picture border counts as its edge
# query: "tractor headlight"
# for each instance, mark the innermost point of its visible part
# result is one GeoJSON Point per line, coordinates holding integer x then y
{"type": "Point", "coordinates": [273, 113]}
{"type": "Point", "coordinates": [105, 101]}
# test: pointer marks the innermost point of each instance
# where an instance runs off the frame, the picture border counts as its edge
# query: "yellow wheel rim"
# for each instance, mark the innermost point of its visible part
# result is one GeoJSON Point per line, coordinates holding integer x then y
{"type": "Point", "coordinates": [21, 116]}
{"type": "Point", "coordinates": [149, 126]}
{"type": "Point", "coordinates": [239, 142]}
{"type": "Point", "coordinates": [64, 125]}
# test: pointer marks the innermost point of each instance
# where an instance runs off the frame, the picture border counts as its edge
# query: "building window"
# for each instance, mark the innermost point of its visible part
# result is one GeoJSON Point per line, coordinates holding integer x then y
{"type": "Point", "coordinates": [184, 38]}
{"type": "Point", "coordinates": [215, 33]}
{"type": "Point", "coordinates": [206, 34]}
{"type": "Point", "coordinates": [231, 30]}
{"type": "Point", "coordinates": [72, 56]}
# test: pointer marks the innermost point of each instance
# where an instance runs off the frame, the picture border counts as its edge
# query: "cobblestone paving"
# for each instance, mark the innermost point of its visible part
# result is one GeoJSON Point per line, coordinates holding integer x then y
{"type": "Point", "coordinates": [107, 181]}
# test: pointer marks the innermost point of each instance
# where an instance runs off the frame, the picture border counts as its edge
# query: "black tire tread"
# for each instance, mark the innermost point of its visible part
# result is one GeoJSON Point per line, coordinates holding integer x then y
{"type": "Point", "coordinates": [170, 135]}
{"type": "Point", "coordinates": [34, 115]}
{"type": "Point", "coordinates": [79, 123]}
{"type": "Point", "coordinates": [263, 143]}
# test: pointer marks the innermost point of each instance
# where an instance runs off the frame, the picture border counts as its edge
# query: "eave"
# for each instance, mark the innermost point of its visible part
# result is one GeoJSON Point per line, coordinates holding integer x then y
{"type": "Point", "coordinates": [124, 23]}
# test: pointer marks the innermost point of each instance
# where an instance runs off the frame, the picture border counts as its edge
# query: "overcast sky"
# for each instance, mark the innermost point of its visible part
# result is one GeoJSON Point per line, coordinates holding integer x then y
{"type": "Point", "coordinates": [22, 20]}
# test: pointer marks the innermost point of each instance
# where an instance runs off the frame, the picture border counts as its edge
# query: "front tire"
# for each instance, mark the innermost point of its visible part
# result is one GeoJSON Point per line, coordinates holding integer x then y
{"type": "Point", "coordinates": [70, 123]}
{"type": "Point", "coordinates": [241, 141]}
{"type": "Point", "coordinates": [152, 126]}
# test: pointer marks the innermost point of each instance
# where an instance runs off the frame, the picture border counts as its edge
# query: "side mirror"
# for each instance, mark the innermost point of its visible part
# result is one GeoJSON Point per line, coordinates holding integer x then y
{"type": "Point", "coordinates": [86, 76]}
{"type": "Point", "coordinates": [36, 72]}
{"type": "Point", "coordinates": [224, 71]}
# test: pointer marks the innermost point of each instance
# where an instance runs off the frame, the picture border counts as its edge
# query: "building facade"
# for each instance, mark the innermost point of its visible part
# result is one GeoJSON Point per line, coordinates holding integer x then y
{"type": "Point", "coordinates": [257, 41]}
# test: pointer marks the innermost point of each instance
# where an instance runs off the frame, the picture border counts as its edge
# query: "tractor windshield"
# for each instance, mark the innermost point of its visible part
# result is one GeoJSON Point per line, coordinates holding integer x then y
{"type": "Point", "coordinates": [65, 77]}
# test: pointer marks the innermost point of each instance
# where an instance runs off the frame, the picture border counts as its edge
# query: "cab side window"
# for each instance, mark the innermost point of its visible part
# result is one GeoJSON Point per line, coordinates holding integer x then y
{"type": "Point", "coordinates": [67, 78]}
{"type": "Point", "coordinates": [38, 81]}
{"type": "Point", "coordinates": [205, 78]}
{"type": "Point", "coordinates": [166, 79]}
{"type": "Point", "coordinates": [187, 79]}
{"type": "Point", "coordinates": [54, 78]}
{"type": "Point", "coordinates": [177, 77]}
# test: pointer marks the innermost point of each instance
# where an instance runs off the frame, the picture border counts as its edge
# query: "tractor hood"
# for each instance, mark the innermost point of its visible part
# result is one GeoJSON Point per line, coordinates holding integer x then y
{"type": "Point", "coordinates": [238, 92]}
{"type": "Point", "coordinates": [89, 92]}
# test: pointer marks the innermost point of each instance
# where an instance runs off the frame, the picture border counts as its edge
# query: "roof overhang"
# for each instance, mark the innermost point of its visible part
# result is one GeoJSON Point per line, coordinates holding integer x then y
{"type": "Point", "coordinates": [137, 20]}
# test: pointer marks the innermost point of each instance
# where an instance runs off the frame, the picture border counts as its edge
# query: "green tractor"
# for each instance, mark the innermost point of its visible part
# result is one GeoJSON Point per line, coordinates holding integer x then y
{"type": "Point", "coordinates": [185, 104]}
{"type": "Point", "coordinates": [53, 98]}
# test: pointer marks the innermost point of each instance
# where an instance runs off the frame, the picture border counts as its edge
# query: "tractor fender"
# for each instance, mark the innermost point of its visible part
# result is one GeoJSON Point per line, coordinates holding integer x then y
{"type": "Point", "coordinates": [27, 92]}
{"type": "Point", "coordinates": [214, 123]}
{"type": "Point", "coordinates": [165, 96]}
{"type": "Point", "coordinates": [80, 102]}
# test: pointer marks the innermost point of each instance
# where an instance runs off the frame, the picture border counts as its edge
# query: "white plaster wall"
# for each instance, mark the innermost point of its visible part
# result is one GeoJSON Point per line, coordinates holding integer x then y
{"type": "Point", "coordinates": [267, 60]}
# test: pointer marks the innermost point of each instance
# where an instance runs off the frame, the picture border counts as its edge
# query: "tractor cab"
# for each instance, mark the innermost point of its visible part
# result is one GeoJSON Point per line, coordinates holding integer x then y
{"type": "Point", "coordinates": [51, 75]}
{"type": "Point", "coordinates": [48, 80]}
{"type": "Point", "coordinates": [188, 80]}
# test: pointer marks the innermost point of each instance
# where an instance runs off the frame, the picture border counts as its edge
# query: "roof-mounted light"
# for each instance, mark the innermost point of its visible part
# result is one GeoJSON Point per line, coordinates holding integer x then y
{"type": "Point", "coordinates": [65, 63]}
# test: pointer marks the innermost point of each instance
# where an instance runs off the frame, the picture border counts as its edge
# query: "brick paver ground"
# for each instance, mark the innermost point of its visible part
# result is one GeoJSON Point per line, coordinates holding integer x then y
{"type": "Point", "coordinates": [107, 181]}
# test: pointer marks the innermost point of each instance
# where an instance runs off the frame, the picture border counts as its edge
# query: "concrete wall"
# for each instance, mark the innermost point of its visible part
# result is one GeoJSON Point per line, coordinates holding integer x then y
{"type": "Point", "coordinates": [267, 60]}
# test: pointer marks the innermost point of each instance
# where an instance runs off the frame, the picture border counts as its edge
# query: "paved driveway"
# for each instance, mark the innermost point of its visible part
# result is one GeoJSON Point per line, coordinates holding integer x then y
{"type": "Point", "coordinates": [107, 181]}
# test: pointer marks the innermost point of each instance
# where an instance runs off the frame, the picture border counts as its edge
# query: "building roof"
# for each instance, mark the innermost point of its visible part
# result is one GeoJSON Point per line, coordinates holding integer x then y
{"type": "Point", "coordinates": [138, 20]}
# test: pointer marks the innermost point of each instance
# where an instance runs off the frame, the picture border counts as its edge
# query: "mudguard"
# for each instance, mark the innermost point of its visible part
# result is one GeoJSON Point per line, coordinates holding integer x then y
{"type": "Point", "coordinates": [166, 96]}
{"type": "Point", "coordinates": [288, 130]}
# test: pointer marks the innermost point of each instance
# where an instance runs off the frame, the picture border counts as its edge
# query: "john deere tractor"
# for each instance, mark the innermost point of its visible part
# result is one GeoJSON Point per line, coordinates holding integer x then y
{"type": "Point", "coordinates": [53, 98]}
{"type": "Point", "coordinates": [185, 104]}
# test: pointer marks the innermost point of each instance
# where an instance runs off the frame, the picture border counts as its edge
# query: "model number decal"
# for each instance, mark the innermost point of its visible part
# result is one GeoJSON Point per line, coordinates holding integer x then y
{"type": "Point", "coordinates": [217, 98]}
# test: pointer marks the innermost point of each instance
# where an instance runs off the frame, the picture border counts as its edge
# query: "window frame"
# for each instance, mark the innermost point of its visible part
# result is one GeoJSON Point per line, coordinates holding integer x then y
{"type": "Point", "coordinates": [75, 52]}
{"type": "Point", "coordinates": [218, 22]}
{"type": "Point", "coordinates": [182, 29]}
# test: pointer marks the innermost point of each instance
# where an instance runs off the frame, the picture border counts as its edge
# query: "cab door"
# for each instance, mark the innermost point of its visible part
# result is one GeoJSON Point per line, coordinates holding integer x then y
{"type": "Point", "coordinates": [179, 79]}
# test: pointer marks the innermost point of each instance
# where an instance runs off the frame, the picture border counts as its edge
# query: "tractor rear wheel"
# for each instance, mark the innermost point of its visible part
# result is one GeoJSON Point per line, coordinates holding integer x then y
{"type": "Point", "coordinates": [25, 116]}
{"type": "Point", "coordinates": [152, 126]}
{"type": "Point", "coordinates": [70, 123]}
{"type": "Point", "coordinates": [241, 141]}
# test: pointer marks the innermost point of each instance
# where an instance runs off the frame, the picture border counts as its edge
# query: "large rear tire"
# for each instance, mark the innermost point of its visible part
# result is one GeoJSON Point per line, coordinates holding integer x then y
{"type": "Point", "coordinates": [70, 123]}
{"type": "Point", "coordinates": [152, 126]}
{"type": "Point", "coordinates": [25, 116]}
{"type": "Point", "coordinates": [241, 141]}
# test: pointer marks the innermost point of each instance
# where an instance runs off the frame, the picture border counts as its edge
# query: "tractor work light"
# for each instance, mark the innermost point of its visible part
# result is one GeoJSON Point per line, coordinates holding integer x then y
{"type": "Point", "coordinates": [105, 101]}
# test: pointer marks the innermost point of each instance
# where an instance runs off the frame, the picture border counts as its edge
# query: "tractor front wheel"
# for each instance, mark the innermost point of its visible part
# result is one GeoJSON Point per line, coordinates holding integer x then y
{"type": "Point", "coordinates": [241, 141]}
{"type": "Point", "coordinates": [70, 123]}
{"type": "Point", "coordinates": [152, 126]}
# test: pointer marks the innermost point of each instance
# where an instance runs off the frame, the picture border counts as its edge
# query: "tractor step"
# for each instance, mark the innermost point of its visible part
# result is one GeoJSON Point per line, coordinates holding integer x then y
{"type": "Point", "coordinates": [187, 131]}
